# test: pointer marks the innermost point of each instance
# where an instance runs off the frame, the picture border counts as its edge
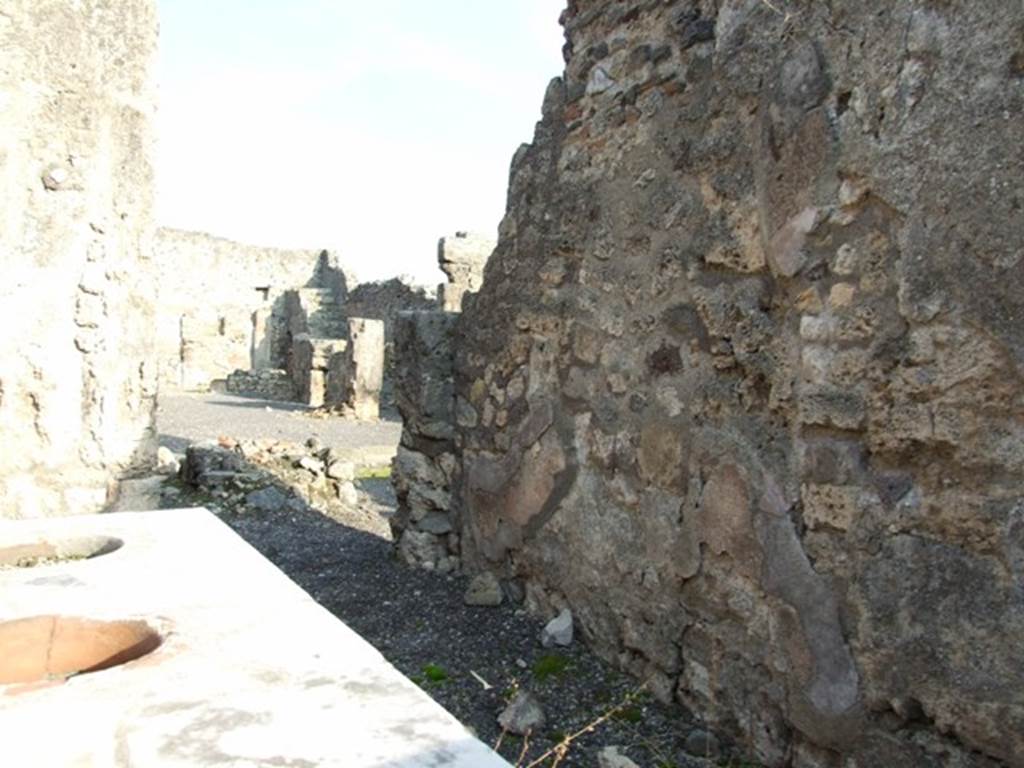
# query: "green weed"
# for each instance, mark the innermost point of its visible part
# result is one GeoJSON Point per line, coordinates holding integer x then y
{"type": "Point", "coordinates": [628, 715]}
{"type": "Point", "coordinates": [550, 665]}
{"type": "Point", "coordinates": [373, 473]}
{"type": "Point", "coordinates": [433, 673]}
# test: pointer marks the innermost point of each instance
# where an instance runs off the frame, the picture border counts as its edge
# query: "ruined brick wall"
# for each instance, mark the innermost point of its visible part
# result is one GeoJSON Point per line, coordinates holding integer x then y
{"type": "Point", "coordinates": [220, 305]}
{"type": "Point", "coordinates": [743, 385]}
{"type": "Point", "coordinates": [77, 369]}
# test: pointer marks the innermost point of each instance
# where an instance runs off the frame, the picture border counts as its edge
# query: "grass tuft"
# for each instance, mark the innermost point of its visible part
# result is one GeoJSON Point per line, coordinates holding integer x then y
{"type": "Point", "coordinates": [628, 714]}
{"type": "Point", "coordinates": [550, 665]}
{"type": "Point", "coordinates": [433, 673]}
{"type": "Point", "coordinates": [373, 473]}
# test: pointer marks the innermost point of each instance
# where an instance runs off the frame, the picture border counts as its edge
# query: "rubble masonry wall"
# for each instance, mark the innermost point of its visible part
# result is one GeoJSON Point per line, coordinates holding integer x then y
{"type": "Point", "coordinates": [743, 384]}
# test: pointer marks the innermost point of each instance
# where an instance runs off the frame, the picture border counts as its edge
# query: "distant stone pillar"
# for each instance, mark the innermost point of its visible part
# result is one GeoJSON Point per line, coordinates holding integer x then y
{"type": "Point", "coordinates": [462, 257]}
{"type": "Point", "coordinates": [355, 374]}
{"type": "Point", "coordinates": [262, 349]}
{"type": "Point", "coordinates": [366, 352]}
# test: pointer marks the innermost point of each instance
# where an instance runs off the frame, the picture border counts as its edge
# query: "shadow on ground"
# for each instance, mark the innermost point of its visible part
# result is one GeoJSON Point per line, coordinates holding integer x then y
{"type": "Point", "coordinates": [267, 405]}
{"type": "Point", "coordinates": [467, 658]}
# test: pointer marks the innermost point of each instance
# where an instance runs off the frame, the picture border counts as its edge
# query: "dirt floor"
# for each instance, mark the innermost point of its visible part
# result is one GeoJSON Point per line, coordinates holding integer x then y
{"type": "Point", "coordinates": [470, 659]}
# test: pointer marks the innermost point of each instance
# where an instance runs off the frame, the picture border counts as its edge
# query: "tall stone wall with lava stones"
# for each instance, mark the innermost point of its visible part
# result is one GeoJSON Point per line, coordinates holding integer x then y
{"type": "Point", "coordinates": [743, 383]}
{"type": "Point", "coordinates": [77, 360]}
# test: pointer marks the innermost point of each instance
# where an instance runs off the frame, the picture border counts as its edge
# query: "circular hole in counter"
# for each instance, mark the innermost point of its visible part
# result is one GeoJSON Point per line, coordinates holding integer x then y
{"type": "Point", "coordinates": [48, 552]}
{"type": "Point", "coordinates": [43, 648]}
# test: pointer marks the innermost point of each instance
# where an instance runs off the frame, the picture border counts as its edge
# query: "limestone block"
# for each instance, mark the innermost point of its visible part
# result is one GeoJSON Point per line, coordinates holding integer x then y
{"type": "Point", "coordinates": [450, 296]}
{"type": "Point", "coordinates": [462, 257]}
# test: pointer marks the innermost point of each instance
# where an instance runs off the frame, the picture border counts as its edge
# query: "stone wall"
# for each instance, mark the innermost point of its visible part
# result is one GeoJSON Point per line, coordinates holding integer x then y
{"type": "Point", "coordinates": [743, 385]}
{"type": "Point", "coordinates": [355, 375]}
{"type": "Point", "coordinates": [424, 526]}
{"type": "Point", "coordinates": [264, 383]}
{"type": "Point", "coordinates": [77, 365]}
{"type": "Point", "coordinates": [220, 304]}
{"type": "Point", "coordinates": [383, 300]}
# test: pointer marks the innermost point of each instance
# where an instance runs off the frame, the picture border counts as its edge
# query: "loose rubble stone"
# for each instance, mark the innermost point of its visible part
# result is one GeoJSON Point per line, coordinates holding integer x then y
{"type": "Point", "coordinates": [523, 714]}
{"type": "Point", "coordinates": [436, 523]}
{"type": "Point", "coordinates": [166, 462]}
{"type": "Point", "coordinates": [218, 477]}
{"type": "Point", "coordinates": [308, 463]}
{"type": "Point", "coordinates": [484, 589]}
{"type": "Point", "coordinates": [202, 459]}
{"type": "Point", "coordinates": [347, 493]}
{"type": "Point", "coordinates": [612, 757]}
{"type": "Point", "coordinates": [558, 631]}
{"type": "Point", "coordinates": [701, 743]}
{"type": "Point", "coordinates": [341, 470]}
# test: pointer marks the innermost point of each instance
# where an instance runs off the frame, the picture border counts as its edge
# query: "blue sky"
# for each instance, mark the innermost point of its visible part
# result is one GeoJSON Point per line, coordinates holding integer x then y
{"type": "Point", "coordinates": [370, 127]}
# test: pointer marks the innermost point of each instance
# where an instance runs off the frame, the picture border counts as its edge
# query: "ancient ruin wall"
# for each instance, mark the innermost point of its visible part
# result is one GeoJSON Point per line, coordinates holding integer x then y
{"type": "Point", "coordinates": [77, 369]}
{"type": "Point", "coordinates": [384, 299]}
{"type": "Point", "coordinates": [219, 305]}
{"type": "Point", "coordinates": [743, 386]}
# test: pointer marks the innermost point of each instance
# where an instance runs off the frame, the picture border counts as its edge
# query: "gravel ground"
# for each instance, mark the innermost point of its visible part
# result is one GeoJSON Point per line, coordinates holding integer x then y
{"type": "Point", "coordinates": [187, 418]}
{"type": "Point", "coordinates": [343, 557]}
